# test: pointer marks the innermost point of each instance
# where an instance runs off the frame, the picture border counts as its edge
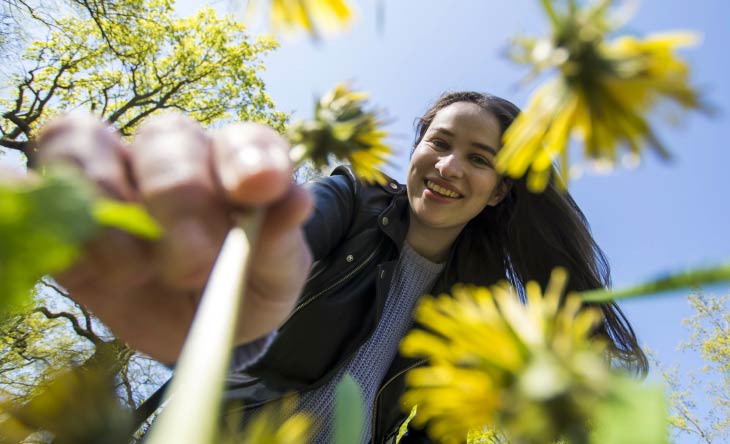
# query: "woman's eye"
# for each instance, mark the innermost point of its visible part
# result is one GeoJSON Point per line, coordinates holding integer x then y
{"type": "Point", "coordinates": [481, 161]}
{"type": "Point", "coordinates": [439, 144]}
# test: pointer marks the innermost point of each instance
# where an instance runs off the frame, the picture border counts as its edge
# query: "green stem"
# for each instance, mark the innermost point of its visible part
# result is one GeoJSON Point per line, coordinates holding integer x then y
{"type": "Point", "coordinates": [548, 7]}
{"type": "Point", "coordinates": [674, 281]}
{"type": "Point", "coordinates": [192, 415]}
{"type": "Point", "coordinates": [572, 7]}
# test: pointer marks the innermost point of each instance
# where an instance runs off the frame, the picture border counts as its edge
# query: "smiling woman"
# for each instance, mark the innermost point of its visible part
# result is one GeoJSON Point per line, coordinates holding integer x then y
{"type": "Point", "coordinates": [378, 248]}
{"type": "Point", "coordinates": [451, 178]}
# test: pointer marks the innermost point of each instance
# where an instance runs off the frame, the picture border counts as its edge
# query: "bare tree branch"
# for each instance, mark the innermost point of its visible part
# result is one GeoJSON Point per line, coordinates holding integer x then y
{"type": "Point", "coordinates": [74, 324]}
{"type": "Point", "coordinates": [62, 291]}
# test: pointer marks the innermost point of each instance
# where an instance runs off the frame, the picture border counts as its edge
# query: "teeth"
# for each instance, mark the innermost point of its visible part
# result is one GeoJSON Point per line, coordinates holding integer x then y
{"type": "Point", "coordinates": [441, 190]}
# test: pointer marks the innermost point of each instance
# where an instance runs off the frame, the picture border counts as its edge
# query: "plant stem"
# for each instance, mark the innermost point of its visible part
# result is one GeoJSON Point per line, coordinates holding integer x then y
{"type": "Point", "coordinates": [548, 7]}
{"type": "Point", "coordinates": [192, 415]}
{"type": "Point", "coordinates": [674, 281]}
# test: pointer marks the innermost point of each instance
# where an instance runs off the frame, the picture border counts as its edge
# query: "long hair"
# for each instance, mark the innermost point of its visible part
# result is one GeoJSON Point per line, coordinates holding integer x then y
{"type": "Point", "coordinates": [526, 235]}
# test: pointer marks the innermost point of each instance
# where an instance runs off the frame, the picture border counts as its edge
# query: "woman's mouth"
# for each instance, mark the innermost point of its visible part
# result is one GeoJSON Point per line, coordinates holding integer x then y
{"type": "Point", "coordinates": [441, 191]}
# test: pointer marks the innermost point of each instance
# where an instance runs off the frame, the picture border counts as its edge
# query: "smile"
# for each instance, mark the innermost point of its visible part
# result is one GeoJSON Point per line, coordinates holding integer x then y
{"type": "Point", "coordinates": [441, 190]}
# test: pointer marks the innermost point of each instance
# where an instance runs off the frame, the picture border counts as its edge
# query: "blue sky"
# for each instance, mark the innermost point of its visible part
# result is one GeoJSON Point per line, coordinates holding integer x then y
{"type": "Point", "coordinates": [655, 218]}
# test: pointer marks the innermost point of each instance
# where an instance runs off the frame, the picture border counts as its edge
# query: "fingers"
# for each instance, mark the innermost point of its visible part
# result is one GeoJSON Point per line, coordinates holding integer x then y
{"type": "Point", "coordinates": [82, 140]}
{"type": "Point", "coordinates": [288, 213]}
{"type": "Point", "coordinates": [252, 163]}
{"type": "Point", "coordinates": [171, 160]}
{"type": "Point", "coordinates": [114, 257]}
{"type": "Point", "coordinates": [189, 182]}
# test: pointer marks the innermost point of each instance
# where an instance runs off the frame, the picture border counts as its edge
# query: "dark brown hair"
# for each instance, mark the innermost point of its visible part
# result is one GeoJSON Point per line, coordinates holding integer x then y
{"type": "Point", "coordinates": [526, 235]}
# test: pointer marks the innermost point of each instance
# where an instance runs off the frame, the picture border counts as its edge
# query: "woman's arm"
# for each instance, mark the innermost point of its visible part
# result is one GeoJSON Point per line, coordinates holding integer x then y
{"type": "Point", "coordinates": [334, 208]}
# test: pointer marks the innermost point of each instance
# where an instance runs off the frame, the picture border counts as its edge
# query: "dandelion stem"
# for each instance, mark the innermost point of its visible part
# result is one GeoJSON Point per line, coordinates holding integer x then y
{"type": "Point", "coordinates": [548, 6]}
{"type": "Point", "coordinates": [193, 412]}
{"type": "Point", "coordinates": [572, 7]}
{"type": "Point", "coordinates": [674, 281]}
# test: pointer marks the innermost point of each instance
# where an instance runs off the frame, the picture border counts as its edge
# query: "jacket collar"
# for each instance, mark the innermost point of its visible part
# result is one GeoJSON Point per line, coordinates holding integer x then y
{"type": "Point", "coordinates": [393, 220]}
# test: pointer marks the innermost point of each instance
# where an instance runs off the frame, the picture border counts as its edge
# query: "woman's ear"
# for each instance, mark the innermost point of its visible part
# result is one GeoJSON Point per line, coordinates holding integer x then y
{"type": "Point", "coordinates": [504, 187]}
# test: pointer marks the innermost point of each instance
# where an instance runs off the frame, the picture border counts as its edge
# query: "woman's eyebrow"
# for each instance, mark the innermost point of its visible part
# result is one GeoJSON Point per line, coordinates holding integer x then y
{"type": "Point", "coordinates": [482, 146]}
{"type": "Point", "coordinates": [485, 147]}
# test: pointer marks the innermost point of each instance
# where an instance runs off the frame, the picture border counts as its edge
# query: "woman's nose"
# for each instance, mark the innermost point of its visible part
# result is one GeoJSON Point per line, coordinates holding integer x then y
{"type": "Point", "coordinates": [449, 166]}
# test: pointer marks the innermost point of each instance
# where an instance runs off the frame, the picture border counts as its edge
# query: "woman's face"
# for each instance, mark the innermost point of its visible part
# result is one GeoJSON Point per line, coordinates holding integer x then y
{"type": "Point", "coordinates": [451, 177]}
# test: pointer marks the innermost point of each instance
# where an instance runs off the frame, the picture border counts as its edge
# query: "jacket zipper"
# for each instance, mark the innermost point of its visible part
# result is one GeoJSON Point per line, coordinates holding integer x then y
{"type": "Point", "coordinates": [380, 390]}
{"type": "Point", "coordinates": [336, 283]}
{"type": "Point", "coordinates": [316, 296]}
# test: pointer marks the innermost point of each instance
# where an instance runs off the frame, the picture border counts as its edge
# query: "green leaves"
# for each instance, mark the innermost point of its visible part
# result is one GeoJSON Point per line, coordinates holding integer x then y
{"type": "Point", "coordinates": [129, 59]}
{"type": "Point", "coordinates": [348, 412]}
{"type": "Point", "coordinates": [45, 221]}
{"type": "Point", "coordinates": [79, 406]}
{"type": "Point", "coordinates": [131, 218]}
{"type": "Point", "coordinates": [42, 225]}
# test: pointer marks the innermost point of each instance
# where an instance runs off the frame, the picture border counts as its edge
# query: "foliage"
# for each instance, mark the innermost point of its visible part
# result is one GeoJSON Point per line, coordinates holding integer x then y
{"type": "Point", "coordinates": [709, 328]}
{"type": "Point", "coordinates": [17, 18]}
{"type": "Point", "coordinates": [603, 93]}
{"type": "Point", "coordinates": [124, 60]}
{"type": "Point", "coordinates": [531, 371]}
{"type": "Point", "coordinates": [34, 346]}
{"type": "Point", "coordinates": [84, 394]}
{"type": "Point", "coordinates": [128, 59]}
{"type": "Point", "coordinates": [39, 346]}
{"type": "Point", "coordinates": [54, 214]}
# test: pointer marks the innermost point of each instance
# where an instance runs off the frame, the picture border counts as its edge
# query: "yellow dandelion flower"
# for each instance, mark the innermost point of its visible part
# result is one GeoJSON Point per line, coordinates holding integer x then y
{"type": "Point", "coordinates": [601, 96]}
{"type": "Point", "coordinates": [485, 435]}
{"type": "Point", "coordinates": [344, 130]}
{"type": "Point", "coordinates": [313, 16]}
{"type": "Point", "coordinates": [276, 424]}
{"type": "Point", "coordinates": [498, 364]}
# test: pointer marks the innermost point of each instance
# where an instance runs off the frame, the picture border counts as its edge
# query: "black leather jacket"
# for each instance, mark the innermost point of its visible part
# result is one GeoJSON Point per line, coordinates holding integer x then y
{"type": "Point", "coordinates": [355, 235]}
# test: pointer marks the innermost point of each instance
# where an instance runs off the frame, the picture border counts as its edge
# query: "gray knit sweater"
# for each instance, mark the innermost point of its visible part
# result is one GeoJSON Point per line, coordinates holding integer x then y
{"type": "Point", "coordinates": [413, 276]}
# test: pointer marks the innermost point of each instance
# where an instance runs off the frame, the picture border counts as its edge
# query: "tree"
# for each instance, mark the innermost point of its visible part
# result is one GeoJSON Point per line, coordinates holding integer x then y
{"type": "Point", "coordinates": [128, 59]}
{"type": "Point", "coordinates": [123, 60]}
{"type": "Point", "coordinates": [55, 334]}
{"type": "Point", "coordinates": [709, 329]}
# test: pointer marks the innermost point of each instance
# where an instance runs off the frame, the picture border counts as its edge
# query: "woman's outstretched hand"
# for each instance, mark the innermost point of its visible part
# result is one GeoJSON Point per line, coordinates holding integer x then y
{"type": "Point", "coordinates": [194, 183]}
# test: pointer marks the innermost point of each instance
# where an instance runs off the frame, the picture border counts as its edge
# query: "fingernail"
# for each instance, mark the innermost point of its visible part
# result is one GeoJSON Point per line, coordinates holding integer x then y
{"type": "Point", "coordinates": [252, 159]}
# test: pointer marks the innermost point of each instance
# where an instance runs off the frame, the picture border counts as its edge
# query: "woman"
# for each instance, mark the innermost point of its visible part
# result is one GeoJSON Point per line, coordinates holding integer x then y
{"type": "Point", "coordinates": [375, 250]}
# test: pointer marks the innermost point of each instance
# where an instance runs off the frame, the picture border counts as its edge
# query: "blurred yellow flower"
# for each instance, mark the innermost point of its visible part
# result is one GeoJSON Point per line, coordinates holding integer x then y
{"type": "Point", "coordinates": [313, 16]}
{"type": "Point", "coordinates": [344, 130]}
{"type": "Point", "coordinates": [529, 370]}
{"type": "Point", "coordinates": [602, 95]}
{"type": "Point", "coordinates": [485, 436]}
{"type": "Point", "coordinates": [275, 424]}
